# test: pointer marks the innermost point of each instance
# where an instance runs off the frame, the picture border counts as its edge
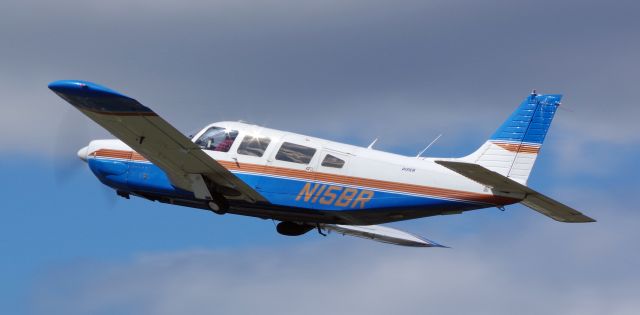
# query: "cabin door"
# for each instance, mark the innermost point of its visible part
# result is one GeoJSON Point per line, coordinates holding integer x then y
{"type": "Point", "coordinates": [332, 186]}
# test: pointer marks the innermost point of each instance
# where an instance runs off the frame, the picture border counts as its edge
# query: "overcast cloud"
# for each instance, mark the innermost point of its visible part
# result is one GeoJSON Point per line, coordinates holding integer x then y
{"type": "Point", "coordinates": [403, 71]}
{"type": "Point", "coordinates": [414, 68]}
{"type": "Point", "coordinates": [545, 268]}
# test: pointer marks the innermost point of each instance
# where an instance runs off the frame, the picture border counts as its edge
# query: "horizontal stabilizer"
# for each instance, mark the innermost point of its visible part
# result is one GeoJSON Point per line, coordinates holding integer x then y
{"type": "Point", "coordinates": [530, 197]}
{"type": "Point", "coordinates": [381, 234]}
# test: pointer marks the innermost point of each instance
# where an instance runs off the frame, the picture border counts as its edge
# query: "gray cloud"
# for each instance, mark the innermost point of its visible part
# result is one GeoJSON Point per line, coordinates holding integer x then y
{"type": "Point", "coordinates": [352, 71]}
{"type": "Point", "coordinates": [516, 261]}
{"type": "Point", "coordinates": [355, 70]}
{"type": "Point", "coordinates": [525, 268]}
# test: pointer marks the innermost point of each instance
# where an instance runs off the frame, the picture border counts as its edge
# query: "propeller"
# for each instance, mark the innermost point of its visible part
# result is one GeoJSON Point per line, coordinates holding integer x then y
{"type": "Point", "coordinates": [73, 133]}
{"type": "Point", "coordinates": [69, 138]}
{"type": "Point", "coordinates": [109, 195]}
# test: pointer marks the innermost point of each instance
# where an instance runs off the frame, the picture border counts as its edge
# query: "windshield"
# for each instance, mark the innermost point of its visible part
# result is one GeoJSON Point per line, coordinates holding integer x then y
{"type": "Point", "coordinates": [192, 133]}
{"type": "Point", "coordinates": [217, 139]}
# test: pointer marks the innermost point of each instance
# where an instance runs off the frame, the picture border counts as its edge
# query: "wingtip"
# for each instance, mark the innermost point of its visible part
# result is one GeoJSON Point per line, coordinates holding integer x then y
{"type": "Point", "coordinates": [429, 243]}
{"type": "Point", "coordinates": [578, 219]}
{"type": "Point", "coordinates": [434, 244]}
{"type": "Point", "coordinates": [79, 87]}
{"type": "Point", "coordinates": [93, 97]}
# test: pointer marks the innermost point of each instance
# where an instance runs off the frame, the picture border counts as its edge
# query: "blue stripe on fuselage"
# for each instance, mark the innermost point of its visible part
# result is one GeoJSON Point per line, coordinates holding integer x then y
{"type": "Point", "coordinates": [289, 192]}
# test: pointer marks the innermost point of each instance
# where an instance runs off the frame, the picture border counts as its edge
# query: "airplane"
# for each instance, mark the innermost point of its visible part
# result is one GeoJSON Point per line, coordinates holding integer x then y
{"type": "Point", "coordinates": [308, 183]}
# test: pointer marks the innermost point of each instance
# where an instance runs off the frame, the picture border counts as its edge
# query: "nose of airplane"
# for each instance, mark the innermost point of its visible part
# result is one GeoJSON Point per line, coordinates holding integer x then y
{"type": "Point", "coordinates": [83, 153]}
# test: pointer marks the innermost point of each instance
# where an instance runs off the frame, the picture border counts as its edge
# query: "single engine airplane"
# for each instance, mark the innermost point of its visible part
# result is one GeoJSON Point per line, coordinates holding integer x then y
{"type": "Point", "coordinates": [309, 183]}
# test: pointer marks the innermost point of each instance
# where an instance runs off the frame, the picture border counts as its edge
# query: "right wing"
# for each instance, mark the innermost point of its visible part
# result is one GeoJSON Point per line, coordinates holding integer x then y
{"type": "Point", "coordinates": [152, 137]}
{"type": "Point", "coordinates": [383, 234]}
{"type": "Point", "coordinates": [532, 198]}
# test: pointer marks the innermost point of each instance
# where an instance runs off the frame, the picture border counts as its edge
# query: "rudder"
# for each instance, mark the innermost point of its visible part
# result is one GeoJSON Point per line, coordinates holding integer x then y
{"type": "Point", "coordinates": [512, 150]}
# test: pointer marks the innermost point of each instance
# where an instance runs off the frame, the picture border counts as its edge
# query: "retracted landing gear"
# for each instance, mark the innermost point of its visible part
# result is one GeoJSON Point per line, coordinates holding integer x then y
{"type": "Point", "coordinates": [215, 208]}
{"type": "Point", "coordinates": [218, 206]}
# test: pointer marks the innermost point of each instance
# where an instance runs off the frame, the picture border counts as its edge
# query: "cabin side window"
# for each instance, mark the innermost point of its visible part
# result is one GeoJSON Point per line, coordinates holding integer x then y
{"type": "Point", "coordinates": [217, 139]}
{"type": "Point", "coordinates": [295, 153]}
{"type": "Point", "coordinates": [332, 161]}
{"type": "Point", "coordinates": [253, 146]}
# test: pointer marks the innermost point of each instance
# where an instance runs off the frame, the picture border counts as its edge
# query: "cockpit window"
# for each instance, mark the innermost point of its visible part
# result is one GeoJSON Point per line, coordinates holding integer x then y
{"type": "Point", "coordinates": [217, 139]}
{"type": "Point", "coordinates": [332, 161]}
{"type": "Point", "coordinates": [291, 152]}
{"type": "Point", "coordinates": [253, 146]}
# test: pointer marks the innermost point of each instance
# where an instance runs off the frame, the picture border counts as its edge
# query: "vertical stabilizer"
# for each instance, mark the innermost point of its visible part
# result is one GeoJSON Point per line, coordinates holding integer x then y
{"type": "Point", "coordinates": [512, 150]}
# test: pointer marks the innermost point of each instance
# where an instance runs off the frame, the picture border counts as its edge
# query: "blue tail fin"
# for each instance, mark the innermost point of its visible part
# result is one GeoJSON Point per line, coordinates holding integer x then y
{"type": "Point", "coordinates": [530, 122]}
{"type": "Point", "coordinates": [512, 150]}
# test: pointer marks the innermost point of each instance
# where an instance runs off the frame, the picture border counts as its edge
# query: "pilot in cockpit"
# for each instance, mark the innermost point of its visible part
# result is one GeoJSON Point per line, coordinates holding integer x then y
{"type": "Point", "coordinates": [217, 139]}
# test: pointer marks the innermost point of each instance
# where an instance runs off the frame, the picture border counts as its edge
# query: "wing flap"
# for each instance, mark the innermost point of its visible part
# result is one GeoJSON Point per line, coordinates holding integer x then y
{"type": "Point", "coordinates": [505, 185]}
{"type": "Point", "coordinates": [151, 136]}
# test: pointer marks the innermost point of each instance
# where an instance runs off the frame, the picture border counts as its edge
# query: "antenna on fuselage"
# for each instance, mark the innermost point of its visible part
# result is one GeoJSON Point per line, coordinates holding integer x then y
{"type": "Point", "coordinates": [372, 143]}
{"type": "Point", "coordinates": [430, 144]}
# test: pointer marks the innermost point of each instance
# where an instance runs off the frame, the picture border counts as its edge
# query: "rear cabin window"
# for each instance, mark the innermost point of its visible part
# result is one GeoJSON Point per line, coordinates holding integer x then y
{"type": "Point", "coordinates": [253, 146]}
{"type": "Point", "coordinates": [217, 139]}
{"type": "Point", "coordinates": [291, 152]}
{"type": "Point", "coordinates": [332, 161]}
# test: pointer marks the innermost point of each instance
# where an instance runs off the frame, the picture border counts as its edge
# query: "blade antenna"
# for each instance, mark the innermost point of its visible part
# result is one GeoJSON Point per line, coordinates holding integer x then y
{"type": "Point", "coordinates": [372, 143]}
{"type": "Point", "coordinates": [430, 144]}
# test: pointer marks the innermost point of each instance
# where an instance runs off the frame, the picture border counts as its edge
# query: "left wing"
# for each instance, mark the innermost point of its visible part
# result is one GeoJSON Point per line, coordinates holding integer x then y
{"type": "Point", "coordinates": [151, 136]}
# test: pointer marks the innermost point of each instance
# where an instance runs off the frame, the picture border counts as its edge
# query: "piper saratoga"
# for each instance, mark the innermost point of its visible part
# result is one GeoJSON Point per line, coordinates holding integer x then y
{"type": "Point", "coordinates": [309, 183]}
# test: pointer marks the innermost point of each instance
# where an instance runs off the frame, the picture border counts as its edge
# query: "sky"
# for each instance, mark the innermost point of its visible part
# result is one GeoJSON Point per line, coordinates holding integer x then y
{"type": "Point", "coordinates": [349, 71]}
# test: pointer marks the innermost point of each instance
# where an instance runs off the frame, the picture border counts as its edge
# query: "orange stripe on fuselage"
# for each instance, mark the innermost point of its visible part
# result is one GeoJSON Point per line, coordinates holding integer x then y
{"type": "Point", "coordinates": [338, 179]}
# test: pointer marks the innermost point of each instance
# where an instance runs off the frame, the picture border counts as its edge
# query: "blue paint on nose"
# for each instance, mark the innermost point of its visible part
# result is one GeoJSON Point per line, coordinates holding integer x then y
{"type": "Point", "coordinates": [110, 173]}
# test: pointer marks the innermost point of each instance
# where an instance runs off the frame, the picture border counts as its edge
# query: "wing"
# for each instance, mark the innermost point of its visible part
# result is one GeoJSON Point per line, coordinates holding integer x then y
{"type": "Point", "coordinates": [531, 199]}
{"type": "Point", "coordinates": [151, 136]}
{"type": "Point", "coordinates": [383, 234]}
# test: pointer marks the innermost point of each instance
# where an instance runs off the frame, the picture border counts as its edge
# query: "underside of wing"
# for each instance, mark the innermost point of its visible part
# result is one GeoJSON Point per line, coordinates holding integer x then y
{"type": "Point", "coordinates": [187, 166]}
{"type": "Point", "coordinates": [504, 185]}
{"type": "Point", "coordinates": [383, 234]}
